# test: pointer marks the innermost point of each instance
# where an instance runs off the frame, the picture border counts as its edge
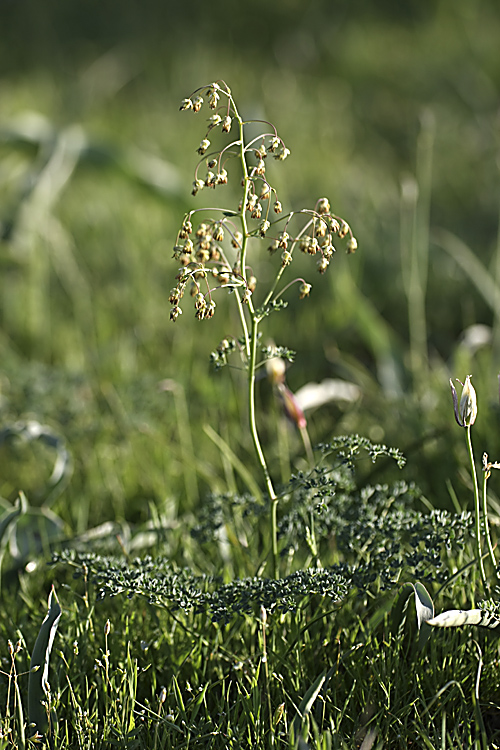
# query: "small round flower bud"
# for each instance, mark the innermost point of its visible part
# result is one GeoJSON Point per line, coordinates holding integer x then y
{"type": "Point", "coordinates": [237, 240]}
{"type": "Point", "coordinates": [218, 233]}
{"type": "Point", "coordinates": [203, 255]}
{"type": "Point", "coordinates": [197, 186]}
{"type": "Point", "coordinates": [260, 169]}
{"type": "Point", "coordinates": [226, 125]}
{"type": "Point", "coordinates": [188, 245]}
{"type": "Point", "coordinates": [202, 231]}
{"type": "Point", "coordinates": [247, 296]}
{"type": "Point", "coordinates": [343, 229]}
{"type": "Point", "coordinates": [222, 177]}
{"type": "Point", "coordinates": [178, 250]}
{"type": "Point", "coordinates": [186, 104]}
{"type": "Point", "coordinates": [174, 296]}
{"type": "Point", "coordinates": [334, 226]}
{"type": "Point", "coordinates": [252, 283]}
{"type": "Point", "coordinates": [305, 243]}
{"type": "Point", "coordinates": [275, 144]}
{"type": "Point", "coordinates": [313, 246]}
{"type": "Point", "coordinates": [352, 245]}
{"type": "Point", "coordinates": [252, 200]}
{"type": "Point", "coordinates": [210, 179]}
{"type": "Point", "coordinates": [323, 206]}
{"type": "Point", "coordinates": [283, 154]}
{"type": "Point", "coordinates": [175, 312]}
{"type": "Point", "coordinates": [197, 103]}
{"type": "Point", "coordinates": [265, 192]}
{"type": "Point", "coordinates": [264, 227]}
{"type": "Point", "coordinates": [286, 258]}
{"type": "Point", "coordinates": [204, 145]}
{"type": "Point", "coordinates": [214, 120]}
{"type": "Point", "coordinates": [199, 300]}
{"type": "Point", "coordinates": [323, 264]}
{"type": "Point", "coordinates": [304, 290]}
{"type": "Point", "coordinates": [278, 208]}
{"type": "Point", "coordinates": [214, 252]}
{"type": "Point", "coordinates": [283, 240]}
{"type": "Point", "coordinates": [257, 211]}
{"type": "Point", "coordinates": [328, 250]}
{"type": "Point", "coordinates": [321, 228]}
{"type": "Point", "coordinates": [214, 99]}
{"type": "Point", "coordinates": [212, 163]}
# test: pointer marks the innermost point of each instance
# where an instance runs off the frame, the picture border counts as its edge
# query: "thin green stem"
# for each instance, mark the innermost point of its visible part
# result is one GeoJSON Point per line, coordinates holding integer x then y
{"type": "Point", "coordinates": [251, 339]}
{"type": "Point", "coordinates": [491, 553]}
{"type": "Point", "coordinates": [477, 504]}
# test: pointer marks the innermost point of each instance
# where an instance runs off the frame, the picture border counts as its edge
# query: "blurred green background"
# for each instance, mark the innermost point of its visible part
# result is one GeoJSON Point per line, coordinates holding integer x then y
{"type": "Point", "coordinates": [390, 109]}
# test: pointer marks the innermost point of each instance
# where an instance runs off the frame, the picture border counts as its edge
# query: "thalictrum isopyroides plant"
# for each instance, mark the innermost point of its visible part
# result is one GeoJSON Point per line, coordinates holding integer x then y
{"type": "Point", "coordinates": [215, 245]}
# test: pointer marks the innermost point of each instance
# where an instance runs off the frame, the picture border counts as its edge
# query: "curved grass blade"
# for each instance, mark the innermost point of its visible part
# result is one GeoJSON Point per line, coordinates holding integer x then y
{"type": "Point", "coordinates": [454, 618]}
{"type": "Point", "coordinates": [38, 685]}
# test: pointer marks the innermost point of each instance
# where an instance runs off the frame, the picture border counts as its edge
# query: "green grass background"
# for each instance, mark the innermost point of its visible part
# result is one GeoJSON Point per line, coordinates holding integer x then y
{"type": "Point", "coordinates": [390, 109]}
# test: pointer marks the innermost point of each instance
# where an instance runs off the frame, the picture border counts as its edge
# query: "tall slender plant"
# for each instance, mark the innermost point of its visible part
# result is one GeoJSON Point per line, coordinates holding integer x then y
{"type": "Point", "coordinates": [214, 245]}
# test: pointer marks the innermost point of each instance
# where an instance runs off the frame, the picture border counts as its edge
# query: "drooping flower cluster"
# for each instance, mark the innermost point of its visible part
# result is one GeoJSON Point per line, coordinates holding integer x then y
{"type": "Point", "coordinates": [215, 255]}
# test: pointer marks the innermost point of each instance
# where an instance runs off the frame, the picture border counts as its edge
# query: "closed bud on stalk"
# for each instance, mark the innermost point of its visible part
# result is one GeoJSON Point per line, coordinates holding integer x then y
{"type": "Point", "coordinates": [237, 239]}
{"type": "Point", "coordinates": [323, 206]}
{"type": "Point", "coordinates": [352, 245]}
{"type": "Point", "coordinates": [175, 312]}
{"type": "Point", "coordinates": [466, 410]}
{"type": "Point", "coordinates": [343, 229]}
{"type": "Point", "coordinates": [263, 228]}
{"type": "Point", "coordinates": [197, 186]}
{"type": "Point", "coordinates": [304, 290]}
{"type": "Point", "coordinates": [197, 103]}
{"type": "Point", "coordinates": [204, 145]}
